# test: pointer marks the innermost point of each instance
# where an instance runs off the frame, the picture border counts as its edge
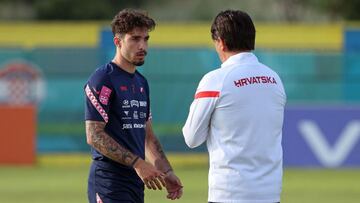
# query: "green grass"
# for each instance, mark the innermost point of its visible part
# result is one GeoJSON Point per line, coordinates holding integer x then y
{"type": "Point", "coordinates": [62, 178]}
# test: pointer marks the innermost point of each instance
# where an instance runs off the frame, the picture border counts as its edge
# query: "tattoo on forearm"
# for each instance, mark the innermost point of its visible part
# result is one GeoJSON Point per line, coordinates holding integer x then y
{"type": "Point", "coordinates": [162, 162]}
{"type": "Point", "coordinates": [159, 149]}
{"type": "Point", "coordinates": [106, 145]}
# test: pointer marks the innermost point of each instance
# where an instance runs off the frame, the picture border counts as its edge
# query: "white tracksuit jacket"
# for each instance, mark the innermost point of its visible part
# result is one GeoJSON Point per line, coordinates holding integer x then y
{"type": "Point", "coordinates": [238, 110]}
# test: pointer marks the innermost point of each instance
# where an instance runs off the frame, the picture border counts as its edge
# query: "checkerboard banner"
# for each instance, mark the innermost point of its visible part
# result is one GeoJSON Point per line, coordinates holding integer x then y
{"type": "Point", "coordinates": [21, 84]}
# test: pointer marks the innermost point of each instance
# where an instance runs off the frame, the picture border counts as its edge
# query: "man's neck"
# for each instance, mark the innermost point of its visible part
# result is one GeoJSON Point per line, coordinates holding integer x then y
{"type": "Point", "coordinates": [226, 55]}
{"type": "Point", "coordinates": [124, 64]}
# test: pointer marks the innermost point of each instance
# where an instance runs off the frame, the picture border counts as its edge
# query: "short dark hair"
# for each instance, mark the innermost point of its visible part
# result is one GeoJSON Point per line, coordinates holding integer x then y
{"type": "Point", "coordinates": [128, 19]}
{"type": "Point", "coordinates": [235, 28]}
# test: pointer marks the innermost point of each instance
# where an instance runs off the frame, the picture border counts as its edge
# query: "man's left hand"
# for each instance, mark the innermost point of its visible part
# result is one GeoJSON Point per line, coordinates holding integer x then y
{"type": "Point", "coordinates": [173, 186]}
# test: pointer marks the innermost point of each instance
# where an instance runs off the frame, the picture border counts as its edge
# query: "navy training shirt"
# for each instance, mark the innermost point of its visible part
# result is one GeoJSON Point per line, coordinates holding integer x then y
{"type": "Point", "coordinates": [120, 99]}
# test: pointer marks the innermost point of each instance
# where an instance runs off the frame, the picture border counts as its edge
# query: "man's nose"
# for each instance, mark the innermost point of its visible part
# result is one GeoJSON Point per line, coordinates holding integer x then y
{"type": "Point", "coordinates": [143, 45]}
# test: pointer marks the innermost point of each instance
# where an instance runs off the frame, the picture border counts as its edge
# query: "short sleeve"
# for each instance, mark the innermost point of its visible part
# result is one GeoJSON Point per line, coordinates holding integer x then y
{"type": "Point", "coordinates": [98, 93]}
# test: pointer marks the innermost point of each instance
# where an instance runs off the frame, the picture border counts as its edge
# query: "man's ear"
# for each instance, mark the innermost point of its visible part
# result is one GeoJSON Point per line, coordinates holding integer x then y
{"type": "Point", "coordinates": [117, 41]}
{"type": "Point", "coordinates": [222, 45]}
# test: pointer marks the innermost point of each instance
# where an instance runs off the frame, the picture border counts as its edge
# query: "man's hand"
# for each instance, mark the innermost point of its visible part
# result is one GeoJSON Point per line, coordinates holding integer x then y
{"type": "Point", "coordinates": [152, 178]}
{"type": "Point", "coordinates": [173, 186]}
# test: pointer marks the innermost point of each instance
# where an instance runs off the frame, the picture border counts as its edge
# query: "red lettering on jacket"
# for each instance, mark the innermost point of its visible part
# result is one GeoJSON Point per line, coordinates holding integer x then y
{"type": "Point", "coordinates": [254, 80]}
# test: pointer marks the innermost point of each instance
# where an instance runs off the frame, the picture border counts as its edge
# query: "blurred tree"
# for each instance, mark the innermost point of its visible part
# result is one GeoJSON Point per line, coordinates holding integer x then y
{"type": "Point", "coordinates": [79, 9]}
{"type": "Point", "coordinates": [64, 9]}
{"type": "Point", "coordinates": [16, 9]}
{"type": "Point", "coordinates": [172, 10]}
{"type": "Point", "coordinates": [291, 10]}
{"type": "Point", "coordinates": [351, 10]}
{"type": "Point", "coordinates": [348, 10]}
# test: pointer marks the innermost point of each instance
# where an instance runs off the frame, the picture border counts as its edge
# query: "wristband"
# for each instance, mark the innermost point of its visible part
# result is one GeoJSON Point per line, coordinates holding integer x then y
{"type": "Point", "coordinates": [170, 169]}
{"type": "Point", "coordinates": [134, 161]}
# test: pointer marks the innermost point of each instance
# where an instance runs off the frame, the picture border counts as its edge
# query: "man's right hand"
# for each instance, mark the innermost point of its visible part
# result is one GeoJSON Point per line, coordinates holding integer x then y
{"type": "Point", "coordinates": [152, 178]}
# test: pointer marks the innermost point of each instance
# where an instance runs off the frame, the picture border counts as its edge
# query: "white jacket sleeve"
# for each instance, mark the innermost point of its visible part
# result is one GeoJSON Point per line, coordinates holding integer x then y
{"type": "Point", "coordinates": [196, 128]}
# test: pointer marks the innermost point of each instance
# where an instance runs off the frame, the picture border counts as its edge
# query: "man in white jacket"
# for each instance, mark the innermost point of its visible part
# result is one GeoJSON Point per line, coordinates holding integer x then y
{"type": "Point", "coordinates": [238, 110]}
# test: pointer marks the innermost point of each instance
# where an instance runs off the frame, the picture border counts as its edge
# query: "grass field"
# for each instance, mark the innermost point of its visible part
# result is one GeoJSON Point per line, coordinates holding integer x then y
{"type": "Point", "coordinates": [62, 178]}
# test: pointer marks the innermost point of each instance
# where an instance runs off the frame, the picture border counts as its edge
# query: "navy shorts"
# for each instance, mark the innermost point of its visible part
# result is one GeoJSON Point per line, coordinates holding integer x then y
{"type": "Point", "coordinates": [113, 184]}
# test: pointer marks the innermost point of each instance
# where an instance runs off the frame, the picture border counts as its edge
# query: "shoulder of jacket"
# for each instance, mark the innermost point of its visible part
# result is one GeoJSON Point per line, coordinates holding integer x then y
{"type": "Point", "coordinates": [214, 74]}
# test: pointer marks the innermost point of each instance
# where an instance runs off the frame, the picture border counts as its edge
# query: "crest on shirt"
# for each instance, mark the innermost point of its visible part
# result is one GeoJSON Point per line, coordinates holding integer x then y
{"type": "Point", "coordinates": [104, 96]}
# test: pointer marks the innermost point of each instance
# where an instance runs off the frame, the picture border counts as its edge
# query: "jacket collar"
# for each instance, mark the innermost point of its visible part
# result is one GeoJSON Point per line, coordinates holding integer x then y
{"type": "Point", "coordinates": [240, 58]}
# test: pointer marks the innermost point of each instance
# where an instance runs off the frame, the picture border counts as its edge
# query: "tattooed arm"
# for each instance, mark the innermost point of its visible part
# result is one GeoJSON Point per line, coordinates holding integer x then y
{"type": "Point", "coordinates": [154, 152]}
{"type": "Point", "coordinates": [156, 155]}
{"type": "Point", "coordinates": [106, 145]}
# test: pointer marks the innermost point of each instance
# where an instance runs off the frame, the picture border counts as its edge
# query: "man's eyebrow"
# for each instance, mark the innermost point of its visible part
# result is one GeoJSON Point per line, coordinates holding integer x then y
{"type": "Point", "coordinates": [139, 36]}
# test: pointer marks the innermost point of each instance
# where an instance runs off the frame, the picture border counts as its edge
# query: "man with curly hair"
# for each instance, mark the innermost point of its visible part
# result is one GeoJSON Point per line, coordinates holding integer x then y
{"type": "Point", "coordinates": [118, 121]}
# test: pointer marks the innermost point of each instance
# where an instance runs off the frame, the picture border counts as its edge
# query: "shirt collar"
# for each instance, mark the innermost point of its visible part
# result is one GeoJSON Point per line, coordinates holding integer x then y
{"type": "Point", "coordinates": [240, 58]}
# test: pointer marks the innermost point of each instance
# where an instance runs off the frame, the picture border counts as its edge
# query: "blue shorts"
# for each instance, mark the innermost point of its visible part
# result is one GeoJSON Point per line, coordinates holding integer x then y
{"type": "Point", "coordinates": [113, 184]}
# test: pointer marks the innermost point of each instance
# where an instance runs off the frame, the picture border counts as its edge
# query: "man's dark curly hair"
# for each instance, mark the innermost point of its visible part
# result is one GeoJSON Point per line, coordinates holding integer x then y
{"type": "Point", "coordinates": [128, 19]}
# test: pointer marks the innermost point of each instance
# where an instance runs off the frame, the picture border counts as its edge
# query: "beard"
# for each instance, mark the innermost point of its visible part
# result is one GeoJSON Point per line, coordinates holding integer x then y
{"type": "Point", "coordinates": [138, 63]}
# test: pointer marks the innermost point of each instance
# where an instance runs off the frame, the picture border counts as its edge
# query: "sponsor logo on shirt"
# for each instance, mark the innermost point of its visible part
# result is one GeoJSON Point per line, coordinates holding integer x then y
{"type": "Point", "coordinates": [143, 103]}
{"type": "Point", "coordinates": [135, 115]}
{"type": "Point", "coordinates": [126, 117]}
{"type": "Point", "coordinates": [137, 125]}
{"type": "Point", "coordinates": [126, 104]}
{"type": "Point", "coordinates": [141, 89]}
{"type": "Point", "coordinates": [255, 80]}
{"type": "Point", "coordinates": [142, 115]}
{"type": "Point", "coordinates": [127, 126]}
{"type": "Point", "coordinates": [134, 103]}
{"type": "Point", "coordinates": [104, 95]}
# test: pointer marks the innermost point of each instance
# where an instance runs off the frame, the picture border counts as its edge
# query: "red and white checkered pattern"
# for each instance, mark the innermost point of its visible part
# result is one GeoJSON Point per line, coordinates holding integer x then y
{"type": "Point", "coordinates": [19, 84]}
{"type": "Point", "coordinates": [96, 103]}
